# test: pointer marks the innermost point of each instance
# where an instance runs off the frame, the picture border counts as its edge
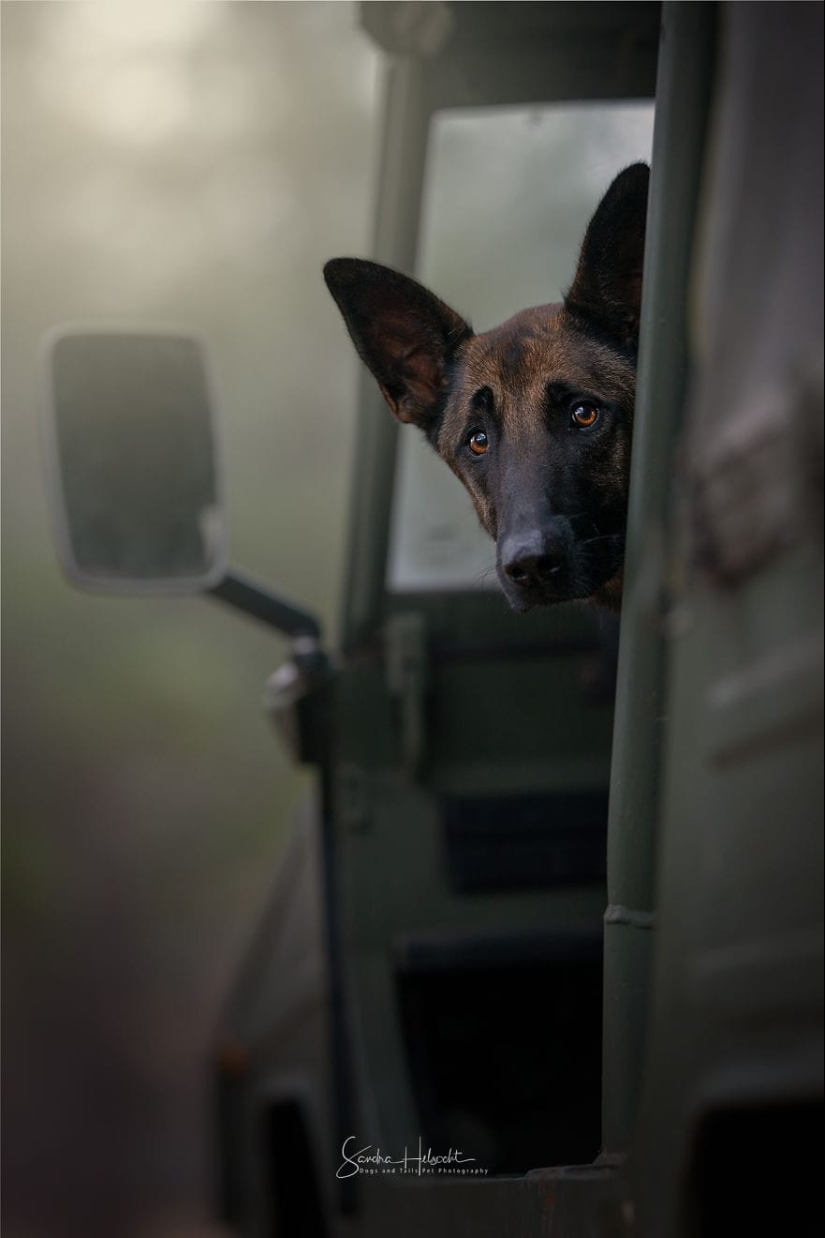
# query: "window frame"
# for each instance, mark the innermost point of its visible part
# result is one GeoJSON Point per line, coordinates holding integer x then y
{"type": "Point", "coordinates": [528, 67]}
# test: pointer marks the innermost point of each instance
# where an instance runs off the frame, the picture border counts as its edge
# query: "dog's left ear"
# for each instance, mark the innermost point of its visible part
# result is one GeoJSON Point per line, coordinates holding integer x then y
{"type": "Point", "coordinates": [607, 290]}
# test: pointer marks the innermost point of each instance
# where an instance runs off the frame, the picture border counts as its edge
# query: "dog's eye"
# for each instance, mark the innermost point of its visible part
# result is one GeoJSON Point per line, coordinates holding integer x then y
{"type": "Point", "coordinates": [584, 416]}
{"type": "Point", "coordinates": [478, 442]}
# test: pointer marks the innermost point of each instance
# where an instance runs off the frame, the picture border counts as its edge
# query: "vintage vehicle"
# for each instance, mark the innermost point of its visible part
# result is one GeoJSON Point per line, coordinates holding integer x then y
{"type": "Point", "coordinates": [545, 953]}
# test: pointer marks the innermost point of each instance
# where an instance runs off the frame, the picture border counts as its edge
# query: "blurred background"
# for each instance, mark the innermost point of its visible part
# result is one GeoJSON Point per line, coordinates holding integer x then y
{"type": "Point", "coordinates": [195, 163]}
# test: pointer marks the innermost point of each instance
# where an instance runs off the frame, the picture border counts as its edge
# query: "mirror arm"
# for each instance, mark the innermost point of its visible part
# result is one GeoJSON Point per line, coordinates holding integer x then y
{"type": "Point", "coordinates": [240, 591]}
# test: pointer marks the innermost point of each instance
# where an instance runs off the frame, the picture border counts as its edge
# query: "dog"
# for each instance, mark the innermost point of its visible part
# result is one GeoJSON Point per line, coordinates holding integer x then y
{"type": "Point", "coordinates": [535, 416]}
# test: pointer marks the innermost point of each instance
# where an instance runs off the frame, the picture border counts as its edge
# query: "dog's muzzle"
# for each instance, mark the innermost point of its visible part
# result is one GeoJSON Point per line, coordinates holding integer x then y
{"type": "Point", "coordinates": [534, 567]}
{"type": "Point", "coordinates": [548, 564]}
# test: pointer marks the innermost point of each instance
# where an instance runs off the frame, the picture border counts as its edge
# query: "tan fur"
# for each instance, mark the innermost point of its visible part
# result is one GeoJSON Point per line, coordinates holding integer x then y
{"type": "Point", "coordinates": [535, 416]}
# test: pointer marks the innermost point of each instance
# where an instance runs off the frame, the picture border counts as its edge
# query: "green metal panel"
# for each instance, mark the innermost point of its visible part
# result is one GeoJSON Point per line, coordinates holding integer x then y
{"type": "Point", "coordinates": [685, 77]}
{"type": "Point", "coordinates": [735, 1071]}
{"type": "Point", "coordinates": [396, 230]}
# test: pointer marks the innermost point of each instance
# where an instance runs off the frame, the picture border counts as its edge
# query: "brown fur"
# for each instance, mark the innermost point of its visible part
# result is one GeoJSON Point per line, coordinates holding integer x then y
{"type": "Point", "coordinates": [551, 491]}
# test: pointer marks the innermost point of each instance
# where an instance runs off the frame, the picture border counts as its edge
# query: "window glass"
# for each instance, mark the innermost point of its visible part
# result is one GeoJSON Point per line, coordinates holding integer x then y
{"type": "Point", "coordinates": [507, 198]}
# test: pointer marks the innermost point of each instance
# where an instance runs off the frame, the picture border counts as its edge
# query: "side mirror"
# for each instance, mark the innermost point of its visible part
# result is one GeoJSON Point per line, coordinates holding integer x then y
{"type": "Point", "coordinates": [130, 435]}
{"type": "Point", "coordinates": [135, 480]}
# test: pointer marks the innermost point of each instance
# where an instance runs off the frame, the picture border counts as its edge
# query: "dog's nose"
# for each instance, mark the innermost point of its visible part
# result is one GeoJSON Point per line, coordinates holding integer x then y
{"type": "Point", "coordinates": [527, 564]}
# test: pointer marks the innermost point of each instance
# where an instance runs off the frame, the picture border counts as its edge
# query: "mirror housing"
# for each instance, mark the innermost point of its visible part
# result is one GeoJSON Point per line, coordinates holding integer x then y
{"type": "Point", "coordinates": [134, 473]}
{"type": "Point", "coordinates": [130, 434]}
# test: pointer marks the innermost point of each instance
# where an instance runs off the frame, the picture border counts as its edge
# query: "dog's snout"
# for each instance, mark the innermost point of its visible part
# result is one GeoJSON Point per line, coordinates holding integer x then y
{"type": "Point", "coordinates": [527, 568]}
{"type": "Point", "coordinates": [532, 562]}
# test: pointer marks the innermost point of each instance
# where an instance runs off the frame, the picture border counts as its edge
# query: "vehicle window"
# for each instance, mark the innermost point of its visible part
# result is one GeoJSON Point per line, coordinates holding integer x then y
{"type": "Point", "coordinates": [508, 194]}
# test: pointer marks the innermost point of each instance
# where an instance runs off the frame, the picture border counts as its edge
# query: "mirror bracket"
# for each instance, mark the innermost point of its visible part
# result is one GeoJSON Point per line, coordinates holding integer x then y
{"type": "Point", "coordinates": [245, 594]}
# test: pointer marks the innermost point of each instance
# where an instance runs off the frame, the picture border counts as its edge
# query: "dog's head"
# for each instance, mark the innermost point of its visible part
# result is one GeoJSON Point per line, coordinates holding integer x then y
{"type": "Point", "coordinates": [536, 415]}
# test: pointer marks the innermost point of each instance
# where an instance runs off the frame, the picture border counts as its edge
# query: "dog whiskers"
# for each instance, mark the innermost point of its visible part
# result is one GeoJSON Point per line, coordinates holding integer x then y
{"type": "Point", "coordinates": [600, 537]}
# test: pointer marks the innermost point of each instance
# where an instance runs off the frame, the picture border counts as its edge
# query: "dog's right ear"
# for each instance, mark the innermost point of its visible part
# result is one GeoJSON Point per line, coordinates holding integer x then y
{"type": "Point", "coordinates": [401, 331]}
